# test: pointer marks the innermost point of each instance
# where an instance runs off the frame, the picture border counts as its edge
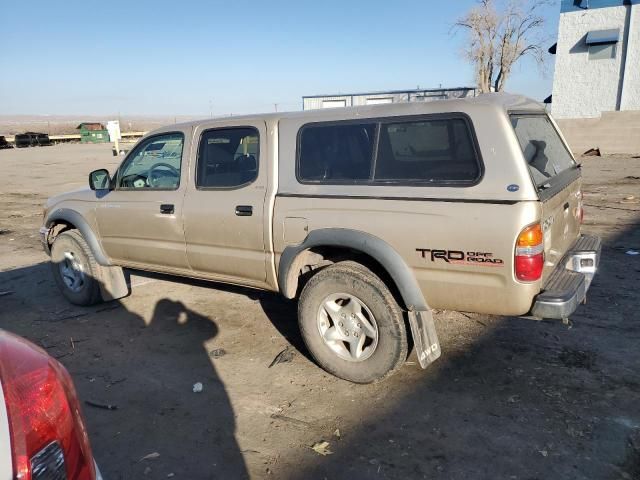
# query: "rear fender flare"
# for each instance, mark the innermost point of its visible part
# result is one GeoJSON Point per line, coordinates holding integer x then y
{"type": "Point", "coordinates": [363, 242]}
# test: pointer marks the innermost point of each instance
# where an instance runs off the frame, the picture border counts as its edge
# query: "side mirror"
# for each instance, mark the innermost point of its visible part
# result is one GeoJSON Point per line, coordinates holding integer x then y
{"type": "Point", "coordinates": [100, 180]}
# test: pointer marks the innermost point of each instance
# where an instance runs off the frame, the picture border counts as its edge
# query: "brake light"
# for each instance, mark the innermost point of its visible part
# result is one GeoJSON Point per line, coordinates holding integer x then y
{"type": "Point", "coordinates": [529, 254]}
{"type": "Point", "coordinates": [48, 437]}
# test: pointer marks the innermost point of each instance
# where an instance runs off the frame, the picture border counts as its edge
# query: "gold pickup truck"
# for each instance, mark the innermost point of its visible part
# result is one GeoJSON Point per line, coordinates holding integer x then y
{"type": "Point", "coordinates": [371, 216]}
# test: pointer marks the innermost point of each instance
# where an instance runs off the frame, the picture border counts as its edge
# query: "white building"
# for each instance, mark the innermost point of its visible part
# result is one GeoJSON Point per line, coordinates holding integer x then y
{"type": "Point", "coordinates": [313, 102]}
{"type": "Point", "coordinates": [597, 58]}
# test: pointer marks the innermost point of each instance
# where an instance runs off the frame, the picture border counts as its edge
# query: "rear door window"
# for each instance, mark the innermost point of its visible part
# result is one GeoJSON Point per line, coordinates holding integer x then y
{"type": "Point", "coordinates": [543, 149]}
{"type": "Point", "coordinates": [228, 158]}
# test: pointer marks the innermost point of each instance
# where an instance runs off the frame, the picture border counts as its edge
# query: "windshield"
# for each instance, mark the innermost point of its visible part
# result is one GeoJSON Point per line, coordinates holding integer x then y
{"type": "Point", "coordinates": [542, 147]}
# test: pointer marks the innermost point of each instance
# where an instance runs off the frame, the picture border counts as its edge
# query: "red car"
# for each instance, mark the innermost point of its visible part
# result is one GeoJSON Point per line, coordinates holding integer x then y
{"type": "Point", "coordinates": [42, 431]}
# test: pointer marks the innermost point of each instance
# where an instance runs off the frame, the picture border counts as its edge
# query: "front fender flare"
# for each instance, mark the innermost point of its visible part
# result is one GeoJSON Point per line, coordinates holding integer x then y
{"type": "Point", "coordinates": [74, 218]}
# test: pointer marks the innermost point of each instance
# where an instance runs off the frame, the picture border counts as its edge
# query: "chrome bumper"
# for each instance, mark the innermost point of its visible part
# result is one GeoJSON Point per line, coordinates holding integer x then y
{"type": "Point", "coordinates": [567, 286]}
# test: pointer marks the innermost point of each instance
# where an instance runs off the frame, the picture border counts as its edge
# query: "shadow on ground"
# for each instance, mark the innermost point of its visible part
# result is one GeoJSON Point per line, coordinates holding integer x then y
{"type": "Point", "coordinates": [282, 313]}
{"type": "Point", "coordinates": [160, 357]}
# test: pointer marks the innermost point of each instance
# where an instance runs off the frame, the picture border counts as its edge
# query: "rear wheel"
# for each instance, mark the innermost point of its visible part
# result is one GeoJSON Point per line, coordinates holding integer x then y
{"type": "Point", "coordinates": [75, 269]}
{"type": "Point", "coordinates": [352, 324]}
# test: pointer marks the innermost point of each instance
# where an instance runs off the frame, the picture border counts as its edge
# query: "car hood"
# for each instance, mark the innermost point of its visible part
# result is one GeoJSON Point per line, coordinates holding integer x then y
{"type": "Point", "coordinates": [80, 195]}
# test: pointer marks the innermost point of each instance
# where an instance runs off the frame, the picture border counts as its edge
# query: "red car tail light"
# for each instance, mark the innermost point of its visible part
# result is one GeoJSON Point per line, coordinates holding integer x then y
{"type": "Point", "coordinates": [48, 437]}
{"type": "Point", "coordinates": [529, 254]}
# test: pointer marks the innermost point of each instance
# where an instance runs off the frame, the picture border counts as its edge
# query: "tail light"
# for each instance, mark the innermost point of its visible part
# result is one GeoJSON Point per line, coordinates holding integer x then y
{"type": "Point", "coordinates": [48, 437]}
{"type": "Point", "coordinates": [529, 254]}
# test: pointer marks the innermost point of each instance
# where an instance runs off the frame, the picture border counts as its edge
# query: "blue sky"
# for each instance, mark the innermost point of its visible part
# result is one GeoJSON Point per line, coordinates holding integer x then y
{"type": "Point", "coordinates": [241, 56]}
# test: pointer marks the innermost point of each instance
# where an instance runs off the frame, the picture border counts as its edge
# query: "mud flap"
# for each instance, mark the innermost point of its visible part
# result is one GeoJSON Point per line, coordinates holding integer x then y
{"type": "Point", "coordinates": [425, 338]}
{"type": "Point", "coordinates": [113, 283]}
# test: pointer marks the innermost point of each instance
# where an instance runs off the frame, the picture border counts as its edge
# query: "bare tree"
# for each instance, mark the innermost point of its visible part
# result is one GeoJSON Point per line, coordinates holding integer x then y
{"type": "Point", "coordinates": [500, 33]}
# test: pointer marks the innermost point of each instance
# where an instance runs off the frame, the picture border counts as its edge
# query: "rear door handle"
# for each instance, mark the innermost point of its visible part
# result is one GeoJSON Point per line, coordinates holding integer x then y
{"type": "Point", "coordinates": [244, 210]}
{"type": "Point", "coordinates": [167, 208]}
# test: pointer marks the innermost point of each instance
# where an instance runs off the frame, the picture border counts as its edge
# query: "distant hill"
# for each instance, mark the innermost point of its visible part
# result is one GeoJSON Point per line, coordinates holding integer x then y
{"type": "Point", "coordinates": [66, 124]}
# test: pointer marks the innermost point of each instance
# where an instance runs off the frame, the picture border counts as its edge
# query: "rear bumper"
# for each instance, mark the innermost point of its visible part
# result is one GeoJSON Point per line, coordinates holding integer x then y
{"type": "Point", "coordinates": [567, 286]}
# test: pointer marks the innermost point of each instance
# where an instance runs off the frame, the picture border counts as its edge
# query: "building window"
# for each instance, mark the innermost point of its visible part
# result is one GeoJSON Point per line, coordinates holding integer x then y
{"type": "Point", "coordinates": [379, 100]}
{"type": "Point", "coordinates": [602, 51]}
{"type": "Point", "coordinates": [334, 103]}
{"type": "Point", "coordinates": [602, 44]}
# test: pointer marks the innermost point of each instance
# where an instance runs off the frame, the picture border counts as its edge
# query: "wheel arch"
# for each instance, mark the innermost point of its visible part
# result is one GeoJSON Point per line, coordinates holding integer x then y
{"type": "Point", "coordinates": [374, 252]}
{"type": "Point", "coordinates": [74, 219]}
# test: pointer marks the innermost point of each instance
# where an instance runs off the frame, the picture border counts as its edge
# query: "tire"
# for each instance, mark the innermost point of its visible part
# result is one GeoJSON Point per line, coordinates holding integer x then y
{"type": "Point", "coordinates": [75, 269]}
{"type": "Point", "coordinates": [339, 288]}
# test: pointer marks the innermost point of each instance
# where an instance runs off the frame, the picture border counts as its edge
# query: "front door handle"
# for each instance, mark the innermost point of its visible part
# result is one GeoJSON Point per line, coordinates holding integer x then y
{"type": "Point", "coordinates": [244, 210]}
{"type": "Point", "coordinates": [167, 208]}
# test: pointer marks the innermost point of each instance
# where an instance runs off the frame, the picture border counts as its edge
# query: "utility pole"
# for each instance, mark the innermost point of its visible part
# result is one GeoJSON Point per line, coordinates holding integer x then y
{"type": "Point", "coordinates": [211, 108]}
{"type": "Point", "coordinates": [275, 105]}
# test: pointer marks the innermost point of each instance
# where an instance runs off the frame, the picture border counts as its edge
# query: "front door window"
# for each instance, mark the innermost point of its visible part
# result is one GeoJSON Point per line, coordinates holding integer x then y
{"type": "Point", "coordinates": [154, 164]}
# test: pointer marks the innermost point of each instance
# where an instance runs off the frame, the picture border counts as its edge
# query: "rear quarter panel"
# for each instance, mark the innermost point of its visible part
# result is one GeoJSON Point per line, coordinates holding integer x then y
{"type": "Point", "coordinates": [416, 228]}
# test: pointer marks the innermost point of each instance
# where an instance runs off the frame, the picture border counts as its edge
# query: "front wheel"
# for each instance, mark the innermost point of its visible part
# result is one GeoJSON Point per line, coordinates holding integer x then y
{"type": "Point", "coordinates": [75, 269]}
{"type": "Point", "coordinates": [352, 324]}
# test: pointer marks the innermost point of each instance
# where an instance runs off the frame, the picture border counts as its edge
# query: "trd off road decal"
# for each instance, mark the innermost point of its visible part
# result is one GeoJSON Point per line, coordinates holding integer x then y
{"type": "Point", "coordinates": [460, 257]}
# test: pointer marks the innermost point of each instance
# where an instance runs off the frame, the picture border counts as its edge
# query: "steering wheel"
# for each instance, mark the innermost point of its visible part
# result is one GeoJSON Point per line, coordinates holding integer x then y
{"type": "Point", "coordinates": [151, 177]}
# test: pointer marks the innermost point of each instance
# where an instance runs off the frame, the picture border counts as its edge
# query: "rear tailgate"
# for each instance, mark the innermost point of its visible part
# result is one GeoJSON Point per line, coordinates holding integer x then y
{"type": "Point", "coordinates": [560, 223]}
{"type": "Point", "coordinates": [557, 178]}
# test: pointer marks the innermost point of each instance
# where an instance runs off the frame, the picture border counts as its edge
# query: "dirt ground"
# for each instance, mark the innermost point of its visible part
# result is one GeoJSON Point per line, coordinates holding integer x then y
{"type": "Point", "coordinates": [509, 399]}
